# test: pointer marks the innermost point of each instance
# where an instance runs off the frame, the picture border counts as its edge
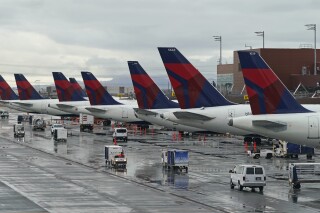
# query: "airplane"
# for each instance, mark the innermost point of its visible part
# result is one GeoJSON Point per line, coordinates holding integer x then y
{"type": "Point", "coordinates": [8, 97]}
{"type": "Point", "coordinates": [77, 87]}
{"type": "Point", "coordinates": [69, 94]}
{"type": "Point", "coordinates": [211, 110]}
{"type": "Point", "coordinates": [275, 112]}
{"type": "Point", "coordinates": [31, 100]}
{"type": "Point", "coordinates": [103, 105]}
{"type": "Point", "coordinates": [151, 100]}
{"type": "Point", "coordinates": [79, 103]}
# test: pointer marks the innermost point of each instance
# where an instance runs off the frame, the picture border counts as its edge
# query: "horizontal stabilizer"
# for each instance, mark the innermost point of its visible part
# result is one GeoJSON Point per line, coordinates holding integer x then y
{"type": "Point", "coordinates": [23, 104]}
{"type": "Point", "coordinates": [269, 124]}
{"type": "Point", "coordinates": [144, 112]}
{"type": "Point", "coordinates": [64, 106]}
{"type": "Point", "coordinates": [96, 110]}
{"type": "Point", "coordinates": [193, 116]}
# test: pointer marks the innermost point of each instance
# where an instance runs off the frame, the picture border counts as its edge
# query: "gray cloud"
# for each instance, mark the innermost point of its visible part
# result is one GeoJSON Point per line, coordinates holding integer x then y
{"type": "Point", "coordinates": [41, 36]}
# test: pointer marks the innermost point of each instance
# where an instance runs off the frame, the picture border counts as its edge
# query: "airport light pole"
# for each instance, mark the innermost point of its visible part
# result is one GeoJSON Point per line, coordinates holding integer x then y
{"type": "Point", "coordinates": [314, 27]}
{"type": "Point", "coordinates": [245, 45]}
{"type": "Point", "coordinates": [261, 33]}
{"type": "Point", "coordinates": [218, 38]}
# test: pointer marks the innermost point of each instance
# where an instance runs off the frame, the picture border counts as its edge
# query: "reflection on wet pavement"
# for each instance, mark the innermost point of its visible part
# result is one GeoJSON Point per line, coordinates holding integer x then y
{"type": "Point", "coordinates": [211, 157]}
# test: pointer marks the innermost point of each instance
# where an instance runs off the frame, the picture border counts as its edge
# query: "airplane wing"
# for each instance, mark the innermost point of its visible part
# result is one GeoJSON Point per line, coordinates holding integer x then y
{"type": "Point", "coordinates": [65, 106]}
{"type": "Point", "coordinates": [23, 104]}
{"type": "Point", "coordinates": [96, 110]}
{"type": "Point", "coordinates": [270, 124]}
{"type": "Point", "coordinates": [192, 116]}
{"type": "Point", "coordinates": [144, 111]}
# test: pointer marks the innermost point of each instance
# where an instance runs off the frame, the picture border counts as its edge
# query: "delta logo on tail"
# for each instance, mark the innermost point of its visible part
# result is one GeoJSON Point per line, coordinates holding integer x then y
{"type": "Point", "coordinates": [65, 90]}
{"type": "Point", "coordinates": [77, 87]}
{"type": "Point", "coordinates": [148, 94]}
{"type": "Point", "coordinates": [25, 89]}
{"type": "Point", "coordinates": [191, 88]}
{"type": "Point", "coordinates": [6, 91]}
{"type": "Point", "coordinates": [96, 92]}
{"type": "Point", "coordinates": [266, 92]}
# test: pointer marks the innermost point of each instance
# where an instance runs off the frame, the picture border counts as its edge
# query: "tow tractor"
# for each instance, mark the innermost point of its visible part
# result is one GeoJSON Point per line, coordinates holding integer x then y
{"type": "Point", "coordinates": [18, 130]}
{"type": "Point", "coordinates": [114, 156]}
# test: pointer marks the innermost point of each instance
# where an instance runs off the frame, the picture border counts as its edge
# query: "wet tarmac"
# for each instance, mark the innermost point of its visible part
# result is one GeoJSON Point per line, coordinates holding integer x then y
{"type": "Point", "coordinates": [38, 174]}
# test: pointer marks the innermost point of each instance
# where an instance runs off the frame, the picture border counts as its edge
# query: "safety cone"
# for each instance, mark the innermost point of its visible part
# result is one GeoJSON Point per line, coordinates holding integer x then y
{"type": "Point", "coordinates": [115, 141]}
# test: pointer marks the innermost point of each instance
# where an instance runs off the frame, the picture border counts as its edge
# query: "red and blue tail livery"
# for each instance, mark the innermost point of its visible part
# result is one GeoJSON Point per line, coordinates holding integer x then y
{"type": "Point", "coordinates": [25, 89]}
{"type": "Point", "coordinates": [97, 94]}
{"type": "Point", "coordinates": [77, 87]}
{"type": "Point", "coordinates": [65, 90]}
{"type": "Point", "coordinates": [6, 92]}
{"type": "Point", "coordinates": [190, 86]}
{"type": "Point", "coordinates": [267, 94]}
{"type": "Point", "coordinates": [148, 94]}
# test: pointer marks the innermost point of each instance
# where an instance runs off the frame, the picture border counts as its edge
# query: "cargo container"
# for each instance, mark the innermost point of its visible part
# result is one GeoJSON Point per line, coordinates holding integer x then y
{"type": "Point", "coordinates": [175, 159]}
{"type": "Point", "coordinates": [60, 134]}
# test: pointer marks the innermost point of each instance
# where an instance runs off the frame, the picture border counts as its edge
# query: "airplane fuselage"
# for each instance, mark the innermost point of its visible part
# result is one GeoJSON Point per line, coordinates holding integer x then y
{"type": "Point", "coordinates": [221, 116]}
{"type": "Point", "coordinates": [41, 106]}
{"type": "Point", "coordinates": [298, 128]}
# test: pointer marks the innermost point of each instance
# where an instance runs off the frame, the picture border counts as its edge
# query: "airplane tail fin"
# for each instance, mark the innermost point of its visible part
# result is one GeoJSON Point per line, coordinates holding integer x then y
{"type": "Point", "coordinates": [267, 94]}
{"type": "Point", "coordinates": [97, 94]}
{"type": "Point", "coordinates": [148, 94]}
{"type": "Point", "coordinates": [191, 88]}
{"type": "Point", "coordinates": [25, 89]}
{"type": "Point", "coordinates": [77, 87]}
{"type": "Point", "coordinates": [64, 88]}
{"type": "Point", "coordinates": [6, 91]}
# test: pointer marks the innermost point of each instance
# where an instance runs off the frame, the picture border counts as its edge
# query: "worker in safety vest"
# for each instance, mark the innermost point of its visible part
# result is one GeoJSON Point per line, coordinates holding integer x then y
{"type": "Point", "coordinates": [121, 155]}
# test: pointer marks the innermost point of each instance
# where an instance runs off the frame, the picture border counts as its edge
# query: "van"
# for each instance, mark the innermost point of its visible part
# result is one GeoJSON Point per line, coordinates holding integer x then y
{"type": "Point", "coordinates": [252, 176]}
{"type": "Point", "coordinates": [120, 134]}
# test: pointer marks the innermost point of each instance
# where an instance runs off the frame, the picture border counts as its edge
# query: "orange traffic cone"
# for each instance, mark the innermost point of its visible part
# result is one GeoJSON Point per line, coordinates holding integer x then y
{"type": "Point", "coordinates": [115, 141]}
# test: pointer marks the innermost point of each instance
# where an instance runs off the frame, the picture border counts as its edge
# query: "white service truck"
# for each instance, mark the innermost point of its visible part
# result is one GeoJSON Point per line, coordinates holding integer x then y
{"type": "Point", "coordinates": [86, 122]}
{"type": "Point", "coordinates": [114, 156]}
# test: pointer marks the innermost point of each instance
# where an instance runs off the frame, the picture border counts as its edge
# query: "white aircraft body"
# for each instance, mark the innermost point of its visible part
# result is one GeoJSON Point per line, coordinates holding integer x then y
{"type": "Point", "coordinates": [216, 119]}
{"type": "Point", "coordinates": [40, 106]}
{"type": "Point", "coordinates": [298, 128]}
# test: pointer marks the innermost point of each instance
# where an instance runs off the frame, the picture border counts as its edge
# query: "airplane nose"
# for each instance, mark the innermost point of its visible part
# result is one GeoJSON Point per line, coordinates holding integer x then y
{"type": "Point", "coordinates": [230, 123]}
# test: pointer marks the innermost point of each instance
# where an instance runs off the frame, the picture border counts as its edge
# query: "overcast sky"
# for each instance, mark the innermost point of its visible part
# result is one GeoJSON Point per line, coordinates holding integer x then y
{"type": "Point", "coordinates": [41, 36]}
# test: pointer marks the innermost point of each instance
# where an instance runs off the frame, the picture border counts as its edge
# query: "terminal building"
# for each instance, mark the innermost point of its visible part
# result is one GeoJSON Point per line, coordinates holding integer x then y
{"type": "Point", "coordinates": [295, 68]}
